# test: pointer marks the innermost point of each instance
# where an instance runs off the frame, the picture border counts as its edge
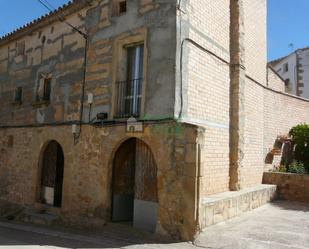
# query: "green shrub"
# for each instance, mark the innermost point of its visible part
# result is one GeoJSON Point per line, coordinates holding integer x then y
{"type": "Point", "coordinates": [279, 168]}
{"type": "Point", "coordinates": [297, 168]}
{"type": "Point", "coordinates": [282, 168]}
{"type": "Point", "coordinates": [300, 138]}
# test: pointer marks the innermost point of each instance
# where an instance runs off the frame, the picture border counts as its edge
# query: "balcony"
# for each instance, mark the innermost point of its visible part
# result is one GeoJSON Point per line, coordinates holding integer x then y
{"type": "Point", "coordinates": [128, 98]}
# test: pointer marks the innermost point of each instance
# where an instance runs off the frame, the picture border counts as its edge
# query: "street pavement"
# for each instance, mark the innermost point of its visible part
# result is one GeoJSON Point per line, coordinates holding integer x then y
{"type": "Point", "coordinates": [279, 225]}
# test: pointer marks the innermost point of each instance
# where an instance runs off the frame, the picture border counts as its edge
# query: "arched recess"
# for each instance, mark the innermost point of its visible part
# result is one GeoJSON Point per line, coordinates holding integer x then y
{"type": "Point", "coordinates": [134, 185]}
{"type": "Point", "coordinates": [51, 177]}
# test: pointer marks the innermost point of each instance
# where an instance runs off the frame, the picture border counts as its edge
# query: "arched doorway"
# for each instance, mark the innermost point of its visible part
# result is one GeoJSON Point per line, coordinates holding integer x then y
{"type": "Point", "coordinates": [135, 197]}
{"type": "Point", "coordinates": [52, 164]}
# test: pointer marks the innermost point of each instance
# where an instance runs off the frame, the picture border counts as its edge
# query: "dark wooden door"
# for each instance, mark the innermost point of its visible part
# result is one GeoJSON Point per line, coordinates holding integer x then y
{"type": "Point", "coordinates": [59, 177]}
{"type": "Point", "coordinates": [123, 182]}
{"type": "Point", "coordinates": [145, 173]}
{"type": "Point", "coordinates": [52, 173]}
{"type": "Point", "coordinates": [135, 195]}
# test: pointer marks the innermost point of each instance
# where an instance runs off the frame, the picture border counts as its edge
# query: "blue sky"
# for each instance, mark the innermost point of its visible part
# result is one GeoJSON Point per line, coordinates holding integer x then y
{"type": "Point", "coordinates": [288, 21]}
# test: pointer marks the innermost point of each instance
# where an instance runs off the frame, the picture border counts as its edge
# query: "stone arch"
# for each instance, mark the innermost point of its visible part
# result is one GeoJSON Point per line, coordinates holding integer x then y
{"type": "Point", "coordinates": [51, 171]}
{"type": "Point", "coordinates": [134, 185]}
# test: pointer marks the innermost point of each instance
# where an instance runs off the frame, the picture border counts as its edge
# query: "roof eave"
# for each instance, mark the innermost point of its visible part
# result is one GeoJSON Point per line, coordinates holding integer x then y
{"type": "Point", "coordinates": [43, 21]}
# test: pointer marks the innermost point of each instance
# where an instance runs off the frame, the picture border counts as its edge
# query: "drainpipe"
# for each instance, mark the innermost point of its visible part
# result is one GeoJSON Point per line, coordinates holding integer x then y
{"type": "Point", "coordinates": [82, 97]}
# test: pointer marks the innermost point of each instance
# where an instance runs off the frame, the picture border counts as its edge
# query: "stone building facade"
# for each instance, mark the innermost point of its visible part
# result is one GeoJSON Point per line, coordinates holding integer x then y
{"type": "Point", "coordinates": [194, 76]}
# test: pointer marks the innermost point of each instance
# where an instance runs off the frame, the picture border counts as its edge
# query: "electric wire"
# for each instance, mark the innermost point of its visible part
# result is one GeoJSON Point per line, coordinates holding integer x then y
{"type": "Point", "coordinates": [50, 7]}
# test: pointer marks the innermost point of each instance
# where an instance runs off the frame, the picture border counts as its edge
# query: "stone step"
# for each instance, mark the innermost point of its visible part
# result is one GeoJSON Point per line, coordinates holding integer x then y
{"type": "Point", "coordinates": [39, 218]}
{"type": "Point", "coordinates": [221, 207]}
{"type": "Point", "coordinates": [43, 208]}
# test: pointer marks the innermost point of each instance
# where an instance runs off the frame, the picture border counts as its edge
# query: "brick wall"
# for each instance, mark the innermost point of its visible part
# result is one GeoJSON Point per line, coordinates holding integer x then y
{"type": "Point", "coordinates": [274, 81]}
{"type": "Point", "coordinates": [281, 113]}
{"type": "Point", "coordinates": [255, 20]}
{"type": "Point", "coordinates": [206, 85]}
{"type": "Point", "coordinates": [253, 136]}
{"type": "Point", "coordinates": [208, 106]}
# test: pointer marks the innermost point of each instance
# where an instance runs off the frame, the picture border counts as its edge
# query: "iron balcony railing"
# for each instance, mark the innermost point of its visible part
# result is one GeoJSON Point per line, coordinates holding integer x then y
{"type": "Point", "coordinates": [128, 98]}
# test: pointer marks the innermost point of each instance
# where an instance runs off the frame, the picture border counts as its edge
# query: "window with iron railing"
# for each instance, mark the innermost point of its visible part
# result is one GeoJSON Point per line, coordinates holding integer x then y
{"type": "Point", "coordinates": [44, 88]}
{"type": "Point", "coordinates": [129, 92]}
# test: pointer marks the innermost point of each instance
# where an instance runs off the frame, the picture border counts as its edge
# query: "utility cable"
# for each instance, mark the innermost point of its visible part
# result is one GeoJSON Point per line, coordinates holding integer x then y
{"type": "Point", "coordinates": [61, 18]}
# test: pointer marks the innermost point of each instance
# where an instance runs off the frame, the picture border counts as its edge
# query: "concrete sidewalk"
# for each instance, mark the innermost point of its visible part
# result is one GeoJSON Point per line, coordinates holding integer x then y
{"type": "Point", "coordinates": [276, 225]}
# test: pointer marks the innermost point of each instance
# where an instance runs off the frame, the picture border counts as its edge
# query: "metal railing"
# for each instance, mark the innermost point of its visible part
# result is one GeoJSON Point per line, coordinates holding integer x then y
{"type": "Point", "coordinates": [128, 98]}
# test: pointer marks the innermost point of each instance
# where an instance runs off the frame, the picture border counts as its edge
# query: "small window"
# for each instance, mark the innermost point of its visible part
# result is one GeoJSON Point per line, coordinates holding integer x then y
{"type": "Point", "coordinates": [18, 95]}
{"type": "Point", "coordinates": [43, 92]}
{"type": "Point", "coordinates": [46, 95]}
{"type": "Point", "coordinates": [20, 48]}
{"type": "Point", "coordinates": [286, 67]}
{"type": "Point", "coordinates": [288, 87]}
{"type": "Point", "coordinates": [120, 7]}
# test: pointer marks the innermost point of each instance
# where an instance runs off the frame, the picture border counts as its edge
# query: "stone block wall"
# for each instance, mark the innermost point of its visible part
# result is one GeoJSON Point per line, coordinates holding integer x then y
{"type": "Point", "coordinates": [221, 207]}
{"type": "Point", "coordinates": [292, 187]}
{"type": "Point", "coordinates": [88, 169]}
{"type": "Point", "coordinates": [52, 47]}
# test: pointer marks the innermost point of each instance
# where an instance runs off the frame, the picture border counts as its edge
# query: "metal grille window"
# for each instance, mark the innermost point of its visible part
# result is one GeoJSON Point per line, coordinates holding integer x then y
{"type": "Point", "coordinates": [122, 7]}
{"type": "Point", "coordinates": [129, 92]}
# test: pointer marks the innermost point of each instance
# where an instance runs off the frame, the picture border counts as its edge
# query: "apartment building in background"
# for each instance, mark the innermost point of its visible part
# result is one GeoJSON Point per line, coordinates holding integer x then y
{"type": "Point", "coordinates": [294, 69]}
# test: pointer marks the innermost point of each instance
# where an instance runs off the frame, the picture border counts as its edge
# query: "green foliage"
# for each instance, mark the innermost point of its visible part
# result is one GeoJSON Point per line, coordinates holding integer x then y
{"type": "Point", "coordinates": [279, 168]}
{"type": "Point", "coordinates": [300, 138]}
{"type": "Point", "coordinates": [282, 169]}
{"type": "Point", "coordinates": [297, 168]}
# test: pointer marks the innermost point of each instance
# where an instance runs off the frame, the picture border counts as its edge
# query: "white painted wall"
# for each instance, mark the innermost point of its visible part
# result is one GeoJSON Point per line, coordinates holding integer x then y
{"type": "Point", "coordinates": [290, 74]}
{"type": "Point", "coordinates": [303, 55]}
